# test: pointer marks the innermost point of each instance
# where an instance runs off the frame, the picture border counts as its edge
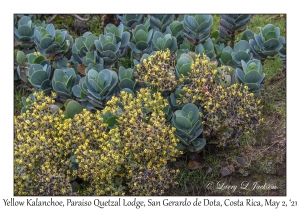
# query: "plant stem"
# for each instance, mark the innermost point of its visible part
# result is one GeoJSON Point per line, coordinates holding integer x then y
{"type": "Point", "coordinates": [232, 41]}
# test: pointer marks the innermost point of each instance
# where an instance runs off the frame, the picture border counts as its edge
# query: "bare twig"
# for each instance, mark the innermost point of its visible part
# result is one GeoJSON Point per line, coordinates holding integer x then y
{"type": "Point", "coordinates": [51, 19]}
{"type": "Point", "coordinates": [80, 18]}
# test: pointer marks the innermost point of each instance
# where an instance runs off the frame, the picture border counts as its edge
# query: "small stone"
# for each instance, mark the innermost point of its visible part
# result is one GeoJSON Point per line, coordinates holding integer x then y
{"type": "Point", "coordinates": [225, 171]}
{"type": "Point", "coordinates": [241, 160]}
{"type": "Point", "coordinates": [194, 165]}
{"type": "Point", "coordinates": [209, 170]}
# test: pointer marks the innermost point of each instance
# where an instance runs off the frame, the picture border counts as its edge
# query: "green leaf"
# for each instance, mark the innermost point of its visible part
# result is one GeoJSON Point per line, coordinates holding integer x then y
{"type": "Point", "coordinates": [197, 145]}
{"type": "Point", "coordinates": [193, 112]}
{"type": "Point", "coordinates": [72, 108]}
{"type": "Point", "coordinates": [252, 77]}
{"type": "Point", "coordinates": [183, 122]}
{"type": "Point", "coordinates": [38, 77]}
{"type": "Point", "coordinates": [112, 121]}
{"type": "Point", "coordinates": [127, 83]}
{"type": "Point", "coordinates": [45, 43]}
{"type": "Point", "coordinates": [21, 58]}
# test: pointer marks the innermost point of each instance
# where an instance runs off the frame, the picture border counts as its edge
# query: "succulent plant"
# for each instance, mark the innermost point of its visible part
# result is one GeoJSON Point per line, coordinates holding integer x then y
{"type": "Point", "coordinates": [25, 32]}
{"type": "Point", "coordinates": [219, 49]}
{"type": "Point", "coordinates": [61, 64]}
{"type": "Point", "coordinates": [27, 103]}
{"type": "Point", "coordinates": [233, 24]}
{"type": "Point", "coordinates": [96, 88]}
{"type": "Point", "coordinates": [51, 42]}
{"type": "Point", "coordinates": [241, 51]}
{"type": "Point", "coordinates": [173, 99]}
{"type": "Point", "coordinates": [282, 53]}
{"type": "Point", "coordinates": [36, 58]}
{"type": "Point", "coordinates": [185, 45]}
{"type": "Point", "coordinates": [126, 78]}
{"type": "Point", "coordinates": [188, 124]}
{"type": "Point", "coordinates": [72, 108]}
{"type": "Point", "coordinates": [226, 76]}
{"type": "Point", "coordinates": [141, 41]}
{"type": "Point", "coordinates": [159, 22]}
{"type": "Point", "coordinates": [131, 20]}
{"type": "Point", "coordinates": [39, 77]}
{"type": "Point", "coordinates": [197, 28]}
{"type": "Point", "coordinates": [121, 36]}
{"type": "Point", "coordinates": [84, 55]}
{"type": "Point", "coordinates": [267, 43]}
{"type": "Point", "coordinates": [162, 42]}
{"type": "Point", "coordinates": [225, 57]}
{"type": "Point", "coordinates": [22, 69]}
{"type": "Point", "coordinates": [183, 66]}
{"type": "Point", "coordinates": [110, 119]}
{"type": "Point", "coordinates": [63, 82]}
{"type": "Point", "coordinates": [206, 49]}
{"type": "Point", "coordinates": [247, 35]}
{"type": "Point", "coordinates": [251, 75]}
{"type": "Point", "coordinates": [84, 44]}
{"type": "Point", "coordinates": [108, 49]}
{"type": "Point", "coordinates": [234, 57]}
{"type": "Point", "coordinates": [176, 30]}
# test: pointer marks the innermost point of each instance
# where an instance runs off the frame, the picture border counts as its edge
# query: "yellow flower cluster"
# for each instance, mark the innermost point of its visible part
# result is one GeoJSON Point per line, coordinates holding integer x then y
{"type": "Point", "coordinates": [97, 153]}
{"type": "Point", "coordinates": [228, 108]}
{"type": "Point", "coordinates": [147, 141]}
{"type": "Point", "coordinates": [51, 151]}
{"type": "Point", "coordinates": [158, 71]}
{"type": "Point", "coordinates": [40, 150]}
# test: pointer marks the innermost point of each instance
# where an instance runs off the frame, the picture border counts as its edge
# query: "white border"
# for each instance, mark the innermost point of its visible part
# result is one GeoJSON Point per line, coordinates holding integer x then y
{"type": "Point", "coordinates": [146, 7]}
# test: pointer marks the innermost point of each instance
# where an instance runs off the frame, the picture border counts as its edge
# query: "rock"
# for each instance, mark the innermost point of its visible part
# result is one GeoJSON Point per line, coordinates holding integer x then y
{"type": "Point", "coordinates": [241, 160]}
{"type": "Point", "coordinates": [195, 165]}
{"type": "Point", "coordinates": [195, 156]}
{"type": "Point", "coordinates": [225, 171]}
{"type": "Point", "coordinates": [209, 170]}
{"type": "Point", "coordinates": [75, 186]}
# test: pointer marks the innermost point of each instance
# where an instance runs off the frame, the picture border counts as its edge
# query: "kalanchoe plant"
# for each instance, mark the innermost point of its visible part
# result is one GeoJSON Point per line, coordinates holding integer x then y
{"type": "Point", "coordinates": [241, 51]}
{"type": "Point", "coordinates": [282, 53]}
{"type": "Point", "coordinates": [207, 48]}
{"type": "Point", "coordinates": [52, 43]}
{"type": "Point", "coordinates": [121, 36]}
{"type": "Point", "coordinates": [84, 55]}
{"type": "Point", "coordinates": [174, 97]}
{"type": "Point", "coordinates": [267, 43]}
{"type": "Point", "coordinates": [126, 78]}
{"type": "Point", "coordinates": [22, 69]}
{"type": "Point", "coordinates": [234, 57]}
{"type": "Point", "coordinates": [247, 35]}
{"type": "Point", "coordinates": [36, 58]}
{"type": "Point", "coordinates": [96, 88]}
{"type": "Point", "coordinates": [25, 32]}
{"type": "Point", "coordinates": [251, 75]}
{"type": "Point", "coordinates": [188, 124]}
{"type": "Point", "coordinates": [39, 77]}
{"type": "Point", "coordinates": [176, 30]}
{"type": "Point", "coordinates": [219, 49]}
{"type": "Point", "coordinates": [63, 82]}
{"type": "Point", "coordinates": [163, 42]}
{"type": "Point", "coordinates": [159, 22]}
{"type": "Point", "coordinates": [141, 41]}
{"type": "Point", "coordinates": [231, 25]}
{"type": "Point", "coordinates": [131, 20]}
{"type": "Point", "coordinates": [183, 66]}
{"type": "Point", "coordinates": [225, 57]}
{"type": "Point", "coordinates": [72, 108]}
{"type": "Point", "coordinates": [197, 28]}
{"type": "Point", "coordinates": [108, 49]}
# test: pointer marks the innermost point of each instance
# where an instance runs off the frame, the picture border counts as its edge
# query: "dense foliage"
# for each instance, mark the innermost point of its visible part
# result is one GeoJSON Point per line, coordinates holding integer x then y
{"type": "Point", "coordinates": [109, 129]}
